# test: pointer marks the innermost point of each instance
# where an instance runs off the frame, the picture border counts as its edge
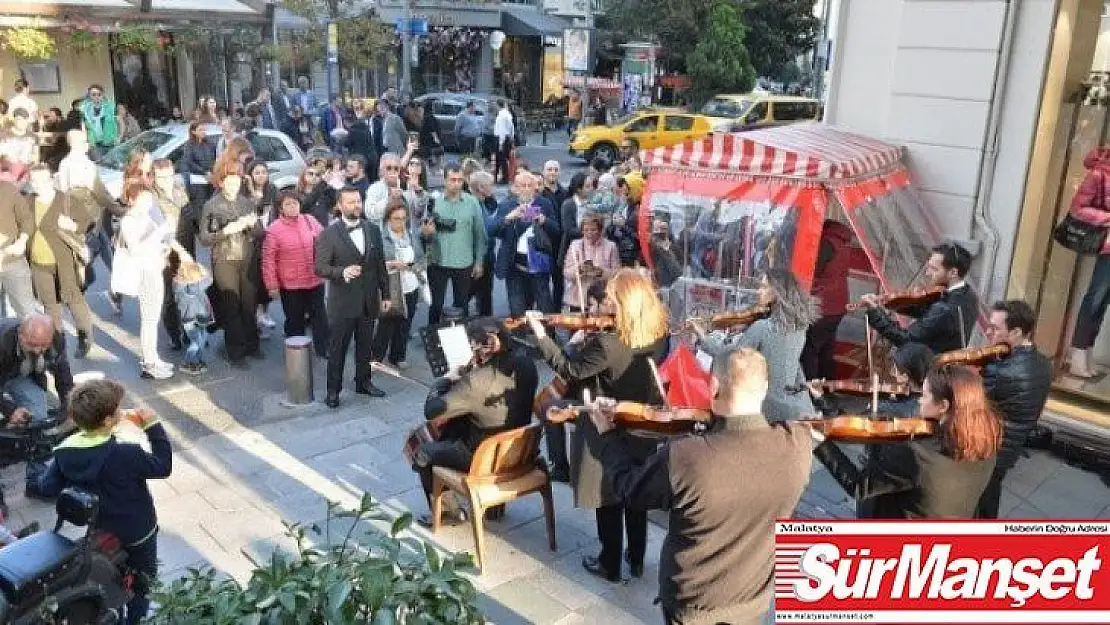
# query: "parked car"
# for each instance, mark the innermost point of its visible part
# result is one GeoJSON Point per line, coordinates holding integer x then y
{"type": "Point", "coordinates": [748, 111]}
{"type": "Point", "coordinates": [447, 106]}
{"type": "Point", "coordinates": [646, 129]}
{"type": "Point", "coordinates": [282, 156]}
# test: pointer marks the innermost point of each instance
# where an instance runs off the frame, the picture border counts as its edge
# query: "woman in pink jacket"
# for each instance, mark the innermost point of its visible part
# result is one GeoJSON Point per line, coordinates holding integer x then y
{"type": "Point", "coordinates": [288, 259]}
{"type": "Point", "coordinates": [1091, 204]}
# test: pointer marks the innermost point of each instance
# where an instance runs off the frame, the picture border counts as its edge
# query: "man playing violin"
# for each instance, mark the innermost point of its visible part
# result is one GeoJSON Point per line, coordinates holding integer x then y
{"type": "Point", "coordinates": [945, 324]}
{"type": "Point", "coordinates": [717, 561]}
{"type": "Point", "coordinates": [1018, 385]}
{"type": "Point", "coordinates": [494, 394]}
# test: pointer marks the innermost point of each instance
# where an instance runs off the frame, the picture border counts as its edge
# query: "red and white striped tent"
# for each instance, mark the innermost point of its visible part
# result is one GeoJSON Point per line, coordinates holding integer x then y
{"type": "Point", "coordinates": [812, 150]}
{"type": "Point", "coordinates": [780, 185]}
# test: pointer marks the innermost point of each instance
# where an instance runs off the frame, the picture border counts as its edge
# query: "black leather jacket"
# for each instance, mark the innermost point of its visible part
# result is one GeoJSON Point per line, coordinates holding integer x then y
{"type": "Point", "coordinates": [1018, 385]}
{"type": "Point", "coordinates": [937, 326]}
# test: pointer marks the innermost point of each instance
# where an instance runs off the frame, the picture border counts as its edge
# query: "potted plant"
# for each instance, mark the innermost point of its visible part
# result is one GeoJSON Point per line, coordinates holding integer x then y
{"type": "Point", "coordinates": [28, 43]}
{"type": "Point", "coordinates": [369, 575]}
{"type": "Point", "coordinates": [135, 39]}
{"type": "Point", "coordinates": [84, 42]}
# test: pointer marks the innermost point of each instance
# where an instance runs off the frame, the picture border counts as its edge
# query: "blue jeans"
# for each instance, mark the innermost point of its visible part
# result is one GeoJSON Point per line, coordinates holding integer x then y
{"type": "Point", "coordinates": [26, 393]}
{"type": "Point", "coordinates": [100, 245]}
{"type": "Point", "coordinates": [529, 291]}
{"type": "Point", "coordinates": [143, 558]}
{"type": "Point", "coordinates": [1093, 308]}
{"type": "Point", "coordinates": [197, 334]}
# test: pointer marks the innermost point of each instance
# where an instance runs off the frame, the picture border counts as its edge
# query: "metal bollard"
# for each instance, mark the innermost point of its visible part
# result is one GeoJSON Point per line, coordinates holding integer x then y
{"type": "Point", "coordinates": [298, 370]}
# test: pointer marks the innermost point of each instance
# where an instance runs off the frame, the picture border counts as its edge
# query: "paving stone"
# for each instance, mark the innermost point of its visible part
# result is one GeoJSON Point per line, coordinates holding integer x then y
{"type": "Point", "coordinates": [529, 601]}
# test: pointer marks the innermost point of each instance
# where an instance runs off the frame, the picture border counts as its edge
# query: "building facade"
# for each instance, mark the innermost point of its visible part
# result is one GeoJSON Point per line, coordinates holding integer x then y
{"type": "Point", "coordinates": [997, 103]}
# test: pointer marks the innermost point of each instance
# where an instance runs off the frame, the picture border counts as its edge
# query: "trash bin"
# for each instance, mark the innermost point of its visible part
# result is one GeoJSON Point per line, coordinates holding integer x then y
{"type": "Point", "coordinates": [298, 369]}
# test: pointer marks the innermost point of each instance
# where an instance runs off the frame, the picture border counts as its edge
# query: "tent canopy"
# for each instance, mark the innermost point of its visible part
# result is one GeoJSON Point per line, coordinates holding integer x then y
{"type": "Point", "coordinates": [813, 151]}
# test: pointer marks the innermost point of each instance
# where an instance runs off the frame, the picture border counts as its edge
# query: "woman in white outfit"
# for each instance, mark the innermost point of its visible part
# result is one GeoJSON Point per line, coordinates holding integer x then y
{"type": "Point", "coordinates": [148, 236]}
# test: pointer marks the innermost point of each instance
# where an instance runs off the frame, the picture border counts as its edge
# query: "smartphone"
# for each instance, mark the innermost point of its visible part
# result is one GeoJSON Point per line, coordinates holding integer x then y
{"type": "Point", "coordinates": [531, 212]}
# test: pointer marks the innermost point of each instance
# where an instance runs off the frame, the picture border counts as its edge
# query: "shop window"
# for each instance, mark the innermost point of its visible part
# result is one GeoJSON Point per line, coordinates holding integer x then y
{"type": "Point", "coordinates": [678, 123]}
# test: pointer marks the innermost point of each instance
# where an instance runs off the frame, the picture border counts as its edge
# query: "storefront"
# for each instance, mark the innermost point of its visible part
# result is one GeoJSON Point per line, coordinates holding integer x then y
{"type": "Point", "coordinates": [997, 104]}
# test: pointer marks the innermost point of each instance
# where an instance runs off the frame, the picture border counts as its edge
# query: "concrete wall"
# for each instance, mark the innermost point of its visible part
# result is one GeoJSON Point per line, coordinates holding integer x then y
{"type": "Point", "coordinates": [77, 71]}
{"type": "Point", "coordinates": [919, 73]}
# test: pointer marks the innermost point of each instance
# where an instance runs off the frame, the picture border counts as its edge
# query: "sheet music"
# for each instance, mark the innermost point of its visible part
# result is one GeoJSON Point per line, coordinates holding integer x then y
{"type": "Point", "coordinates": [455, 345]}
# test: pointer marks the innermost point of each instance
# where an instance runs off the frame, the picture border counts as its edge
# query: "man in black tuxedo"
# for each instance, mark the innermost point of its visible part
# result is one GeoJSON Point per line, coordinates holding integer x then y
{"type": "Point", "coordinates": [349, 256]}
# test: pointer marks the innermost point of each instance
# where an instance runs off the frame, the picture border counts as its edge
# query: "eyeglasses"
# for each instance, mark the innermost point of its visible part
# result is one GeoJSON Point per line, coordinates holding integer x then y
{"type": "Point", "coordinates": [393, 168]}
{"type": "Point", "coordinates": [311, 174]}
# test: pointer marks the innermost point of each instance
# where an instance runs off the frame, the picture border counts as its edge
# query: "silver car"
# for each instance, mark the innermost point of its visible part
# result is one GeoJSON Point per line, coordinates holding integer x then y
{"type": "Point", "coordinates": [447, 106]}
{"type": "Point", "coordinates": [281, 154]}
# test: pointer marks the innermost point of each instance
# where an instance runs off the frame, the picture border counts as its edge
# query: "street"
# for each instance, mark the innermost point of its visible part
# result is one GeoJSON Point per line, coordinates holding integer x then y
{"type": "Point", "coordinates": [244, 462]}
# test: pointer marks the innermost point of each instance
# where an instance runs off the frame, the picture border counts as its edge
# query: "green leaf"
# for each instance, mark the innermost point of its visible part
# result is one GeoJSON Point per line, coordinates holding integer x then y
{"type": "Point", "coordinates": [401, 523]}
{"type": "Point", "coordinates": [432, 555]}
{"type": "Point", "coordinates": [384, 617]}
{"type": "Point", "coordinates": [337, 595]}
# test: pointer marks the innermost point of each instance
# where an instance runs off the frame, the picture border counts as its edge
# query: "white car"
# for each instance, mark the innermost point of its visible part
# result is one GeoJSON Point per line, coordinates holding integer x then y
{"type": "Point", "coordinates": [281, 154]}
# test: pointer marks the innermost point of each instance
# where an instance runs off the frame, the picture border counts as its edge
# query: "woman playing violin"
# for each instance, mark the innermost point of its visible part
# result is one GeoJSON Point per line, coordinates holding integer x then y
{"type": "Point", "coordinates": [939, 477]}
{"type": "Point", "coordinates": [614, 363]}
{"type": "Point", "coordinates": [780, 338]}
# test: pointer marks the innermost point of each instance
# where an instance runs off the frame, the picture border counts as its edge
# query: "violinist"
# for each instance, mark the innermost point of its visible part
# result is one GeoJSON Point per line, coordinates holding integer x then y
{"type": "Point", "coordinates": [945, 324]}
{"type": "Point", "coordinates": [613, 363]}
{"type": "Point", "coordinates": [493, 395]}
{"type": "Point", "coordinates": [723, 490]}
{"type": "Point", "coordinates": [1018, 385]}
{"type": "Point", "coordinates": [941, 477]}
{"type": "Point", "coordinates": [780, 337]}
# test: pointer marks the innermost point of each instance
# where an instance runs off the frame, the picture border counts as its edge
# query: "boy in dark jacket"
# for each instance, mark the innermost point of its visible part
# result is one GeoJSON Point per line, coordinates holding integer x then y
{"type": "Point", "coordinates": [92, 459]}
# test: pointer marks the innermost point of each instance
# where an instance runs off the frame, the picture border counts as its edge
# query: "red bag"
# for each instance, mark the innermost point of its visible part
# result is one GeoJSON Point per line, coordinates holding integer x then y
{"type": "Point", "coordinates": [689, 384]}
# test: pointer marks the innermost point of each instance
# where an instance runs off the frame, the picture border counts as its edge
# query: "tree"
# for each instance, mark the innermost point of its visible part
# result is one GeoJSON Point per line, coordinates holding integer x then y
{"type": "Point", "coordinates": [779, 31]}
{"type": "Point", "coordinates": [719, 62]}
{"type": "Point", "coordinates": [361, 36]}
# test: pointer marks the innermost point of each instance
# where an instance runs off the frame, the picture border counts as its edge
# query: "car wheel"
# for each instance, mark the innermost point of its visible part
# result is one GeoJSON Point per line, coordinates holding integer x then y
{"type": "Point", "coordinates": [606, 151]}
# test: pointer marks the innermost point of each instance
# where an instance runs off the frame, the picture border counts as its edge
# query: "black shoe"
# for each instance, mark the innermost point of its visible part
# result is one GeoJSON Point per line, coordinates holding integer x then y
{"type": "Point", "coordinates": [83, 345]}
{"type": "Point", "coordinates": [593, 565]}
{"type": "Point", "coordinates": [368, 388]}
{"type": "Point", "coordinates": [239, 363]}
{"type": "Point", "coordinates": [636, 568]}
{"type": "Point", "coordinates": [32, 491]}
{"type": "Point", "coordinates": [332, 401]}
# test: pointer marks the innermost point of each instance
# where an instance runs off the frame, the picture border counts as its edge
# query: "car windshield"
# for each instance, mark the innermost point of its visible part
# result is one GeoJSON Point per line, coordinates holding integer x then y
{"type": "Point", "coordinates": [624, 119]}
{"type": "Point", "coordinates": [149, 141]}
{"type": "Point", "coordinates": [726, 107]}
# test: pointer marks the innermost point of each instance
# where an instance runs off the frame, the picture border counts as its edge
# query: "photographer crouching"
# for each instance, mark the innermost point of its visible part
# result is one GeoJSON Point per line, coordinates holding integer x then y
{"type": "Point", "coordinates": [454, 235]}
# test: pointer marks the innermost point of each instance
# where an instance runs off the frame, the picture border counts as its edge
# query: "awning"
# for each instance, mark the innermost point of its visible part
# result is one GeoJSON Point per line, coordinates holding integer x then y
{"type": "Point", "coordinates": [528, 21]}
{"type": "Point", "coordinates": [809, 150]}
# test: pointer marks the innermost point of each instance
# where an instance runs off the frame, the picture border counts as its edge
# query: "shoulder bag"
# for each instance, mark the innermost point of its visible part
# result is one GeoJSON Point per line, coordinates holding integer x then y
{"type": "Point", "coordinates": [1080, 236]}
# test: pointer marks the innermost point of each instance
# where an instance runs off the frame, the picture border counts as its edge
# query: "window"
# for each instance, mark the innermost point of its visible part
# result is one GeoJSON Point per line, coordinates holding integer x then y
{"type": "Point", "coordinates": [269, 149]}
{"type": "Point", "coordinates": [757, 114]}
{"type": "Point", "coordinates": [795, 111]}
{"type": "Point", "coordinates": [644, 124]}
{"type": "Point", "coordinates": [149, 141]}
{"type": "Point", "coordinates": [725, 107]}
{"type": "Point", "coordinates": [678, 123]}
{"type": "Point", "coordinates": [447, 108]}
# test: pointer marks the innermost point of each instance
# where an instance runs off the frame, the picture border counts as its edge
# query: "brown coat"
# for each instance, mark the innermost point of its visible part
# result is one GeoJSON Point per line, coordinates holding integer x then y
{"type": "Point", "coordinates": [65, 245]}
{"type": "Point", "coordinates": [16, 217]}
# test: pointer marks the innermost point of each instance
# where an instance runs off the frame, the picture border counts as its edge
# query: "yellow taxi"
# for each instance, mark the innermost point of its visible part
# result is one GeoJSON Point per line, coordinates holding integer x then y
{"type": "Point", "coordinates": [644, 129]}
{"type": "Point", "coordinates": [736, 112]}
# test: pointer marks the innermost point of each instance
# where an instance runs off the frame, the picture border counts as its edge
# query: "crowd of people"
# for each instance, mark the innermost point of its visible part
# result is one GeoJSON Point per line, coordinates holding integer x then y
{"type": "Point", "coordinates": [362, 242]}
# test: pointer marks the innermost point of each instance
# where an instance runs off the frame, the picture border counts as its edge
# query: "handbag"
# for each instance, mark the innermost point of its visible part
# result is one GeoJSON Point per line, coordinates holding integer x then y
{"type": "Point", "coordinates": [398, 307]}
{"type": "Point", "coordinates": [1080, 236]}
{"type": "Point", "coordinates": [125, 273]}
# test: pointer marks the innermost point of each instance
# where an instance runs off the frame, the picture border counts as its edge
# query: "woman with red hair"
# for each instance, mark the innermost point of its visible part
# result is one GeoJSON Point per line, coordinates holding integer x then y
{"type": "Point", "coordinates": [935, 478]}
{"type": "Point", "coordinates": [230, 226]}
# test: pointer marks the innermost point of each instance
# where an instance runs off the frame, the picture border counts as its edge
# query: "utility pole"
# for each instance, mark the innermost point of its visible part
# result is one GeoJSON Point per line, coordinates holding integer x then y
{"type": "Point", "coordinates": [821, 51]}
{"type": "Point", "coordinates": [406, 50]}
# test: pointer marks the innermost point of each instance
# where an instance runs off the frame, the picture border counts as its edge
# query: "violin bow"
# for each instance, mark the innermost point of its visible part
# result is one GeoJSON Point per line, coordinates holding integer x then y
{"type": "Point", "coordinates": [386, 369]}
{"type": "Point", "coordinates": [578, 280]}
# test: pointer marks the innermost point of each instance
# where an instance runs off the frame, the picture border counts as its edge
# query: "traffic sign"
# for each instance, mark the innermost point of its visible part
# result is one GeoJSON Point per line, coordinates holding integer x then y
{"type": "Point", "coordinates": [417, 26]}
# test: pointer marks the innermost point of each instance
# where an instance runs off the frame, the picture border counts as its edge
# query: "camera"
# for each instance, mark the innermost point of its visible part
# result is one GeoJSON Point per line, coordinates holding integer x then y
{"type": "Point", "coordinates": [442, 223]}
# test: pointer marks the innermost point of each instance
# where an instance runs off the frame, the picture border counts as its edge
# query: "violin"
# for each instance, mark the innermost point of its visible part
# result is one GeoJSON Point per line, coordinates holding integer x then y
{"type": "Point", "coordinates": [567, 322]}
{"type": "Point", "coordinates": [973, 356]}
{"type": "Point", "coordinates": [730, 319]}
{"type": "Point", "coordinates": [637, 416]}
{"type": "Point", "coordinates": [898, 300]}
{"type": "Point", "coordinates": [867, 429]}
{"type": "Point", "coordinates": [551, 393]}
{"type": "Point", "coordinates": [861, 387]}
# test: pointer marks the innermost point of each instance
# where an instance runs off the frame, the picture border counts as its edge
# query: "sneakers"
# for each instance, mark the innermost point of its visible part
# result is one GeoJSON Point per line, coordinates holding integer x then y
{"type": "Point", "coordinates": [157, 371]}
{"type": "Point", "coordinates": [265, 321]}
{"type": "Point", "coordinates": [193, 368]}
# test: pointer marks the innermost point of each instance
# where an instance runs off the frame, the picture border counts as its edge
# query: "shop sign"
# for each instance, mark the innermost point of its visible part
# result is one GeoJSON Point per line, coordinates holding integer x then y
{"type": "Point", "coordinates": [551, 41]}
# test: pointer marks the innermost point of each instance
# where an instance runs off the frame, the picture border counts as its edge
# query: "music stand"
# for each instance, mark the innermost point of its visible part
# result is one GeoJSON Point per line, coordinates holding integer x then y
{"type": "Point", "coordinates": [433, 350]}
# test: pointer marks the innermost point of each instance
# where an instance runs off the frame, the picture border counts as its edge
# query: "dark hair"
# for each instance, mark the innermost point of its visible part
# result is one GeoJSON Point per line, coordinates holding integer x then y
{"type": "Point", "coordinates": [358, 158]}
{"type": "Point", "coordinates": [478, 331]}
{"type": "Point", "coordinates": [914, 360]}
{"type": "Point", "coordinates": [973, 431]}
{"type": "Point", "coordinates": [794, 308]}
{"type": "Point", "coordinates": [345, 190]}
{"type": "Point", "coordinates": [287, 195]}
{"type": "Point", "coordinates": [92, 402]}
{"type": "Point", "coordinates": [20, 85]}
{"type": "Point", "coordinates": [599, 164]}
{"type": "Point", "coordinates": [452, 168]}
{"type": "Point", "coordinates": [577, 181]}
{"type": "Point", "coordinates": [76, 102]}
{"type": "Point", "coordinates": [954, 256]}
{"type": "Point", "coordinates": [57, 111]}
{"type": "Point", "coordinates": [1019, 315]}
{"type": "Point", "coordinates": [96, 86]}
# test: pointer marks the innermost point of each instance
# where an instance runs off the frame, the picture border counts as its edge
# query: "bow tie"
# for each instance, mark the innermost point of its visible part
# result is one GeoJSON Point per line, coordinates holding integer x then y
{"type": "Point", "coordinates": [357, 226]}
